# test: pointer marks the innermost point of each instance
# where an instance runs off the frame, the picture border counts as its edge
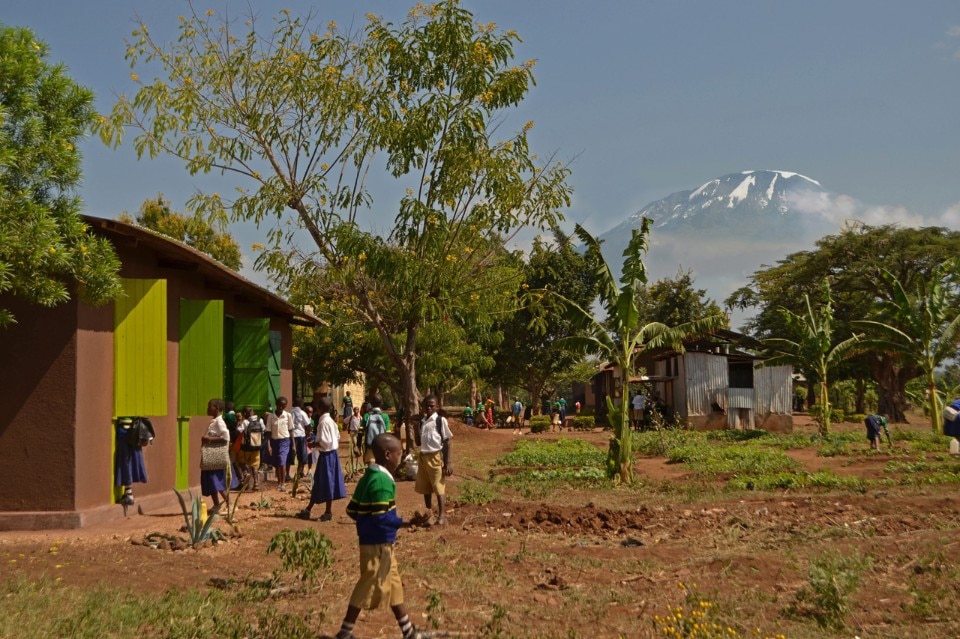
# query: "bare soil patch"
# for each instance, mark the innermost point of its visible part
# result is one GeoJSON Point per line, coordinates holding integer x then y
{"type": "Point", "coordinates": [579, 562]}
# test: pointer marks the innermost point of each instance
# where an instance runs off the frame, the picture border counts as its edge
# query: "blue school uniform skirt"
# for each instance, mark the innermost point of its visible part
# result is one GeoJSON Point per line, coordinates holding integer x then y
{"type": "Point", "coordinates": [328, 479]}
{"type": "Point", "coordinates": [213, 481]}
{"type": "Point", "coordinates": [281, 451]}
{"type": "Point", "coordinates": [128, 462]}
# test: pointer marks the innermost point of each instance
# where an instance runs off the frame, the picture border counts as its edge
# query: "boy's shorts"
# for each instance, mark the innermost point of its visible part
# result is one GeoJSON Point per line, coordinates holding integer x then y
{"type": "Point", "coordinates": [379, 578]}
{"type": "Point", "coordinates": [430, 474]}
{"type": "Point", "coordinates": [249, 458]}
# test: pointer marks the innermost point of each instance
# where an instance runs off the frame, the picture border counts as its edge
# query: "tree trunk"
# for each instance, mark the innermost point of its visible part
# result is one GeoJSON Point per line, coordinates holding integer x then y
{"type": "Point", "coordinates": [824, 409]}
{"type": "Point", "coordinates": [891, 390]}
{"type": "Point", "coordinates": [625, 436]}
{"type": "Point", "coordinates": [411, 400]}
{"type": "Point", "coordinates": [935, 420]}
{"type": "Point", "coordinates": [861, 397]}
{"type": "Point", "coordinates": [473, 393]}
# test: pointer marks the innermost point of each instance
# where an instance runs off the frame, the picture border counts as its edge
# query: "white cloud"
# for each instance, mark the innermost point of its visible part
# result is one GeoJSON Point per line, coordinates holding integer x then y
{"type": "Point", "coordinates": [841, 209]}
{"type": "Point", "coordinates": [954, 31]}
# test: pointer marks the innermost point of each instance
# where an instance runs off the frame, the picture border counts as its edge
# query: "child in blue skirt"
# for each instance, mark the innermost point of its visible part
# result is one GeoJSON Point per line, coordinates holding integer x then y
{"type": "Point", "coordinates": [328, 483]}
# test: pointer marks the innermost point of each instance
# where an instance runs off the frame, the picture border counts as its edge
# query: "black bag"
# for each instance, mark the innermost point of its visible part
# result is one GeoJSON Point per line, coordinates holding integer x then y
{"type": "Point", "coordinates": [140, 433]}
{"type": "Point", "coordinates": [252, 435]}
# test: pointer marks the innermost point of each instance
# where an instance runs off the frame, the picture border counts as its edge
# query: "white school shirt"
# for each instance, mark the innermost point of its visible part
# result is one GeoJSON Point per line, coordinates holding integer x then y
{"type": "Point", "coordinates": [300, 422]}
{"type": "Point", "coordinates": [279, 426]}
{"type": "Point", "coordinates": [430, 439]}
{"type": "Point", "coordinates": [328, 435]}
{"type": "Point", "coordinates": [218, 428]}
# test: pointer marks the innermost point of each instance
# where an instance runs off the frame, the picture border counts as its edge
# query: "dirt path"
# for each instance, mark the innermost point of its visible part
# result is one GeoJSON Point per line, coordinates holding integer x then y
{"type": "Point", "coordinates": [580, 563]}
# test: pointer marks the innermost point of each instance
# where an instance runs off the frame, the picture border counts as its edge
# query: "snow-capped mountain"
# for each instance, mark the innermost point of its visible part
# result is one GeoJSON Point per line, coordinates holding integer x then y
{"type": "Point", "coordinates": [727, 228]}
{"type": "Point", "coordinates": [755, 203]}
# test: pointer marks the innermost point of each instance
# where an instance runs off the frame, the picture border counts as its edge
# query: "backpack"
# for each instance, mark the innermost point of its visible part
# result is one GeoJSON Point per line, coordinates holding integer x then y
{"type": "Point", "coordinates": [253, 434]}
{"type": "Point", "coordinates": [371, 430]}
{"type": "Point", "coordinates": [140, 433]}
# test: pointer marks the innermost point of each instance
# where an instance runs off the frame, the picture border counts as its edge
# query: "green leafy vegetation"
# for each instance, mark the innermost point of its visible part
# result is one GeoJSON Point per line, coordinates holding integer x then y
{"type": "Point", "coordinates": [305, 553]}
{"type": "Point", "coordinates": [564, 452]}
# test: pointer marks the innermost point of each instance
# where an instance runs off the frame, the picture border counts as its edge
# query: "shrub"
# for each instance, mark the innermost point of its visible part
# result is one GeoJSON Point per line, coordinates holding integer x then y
{"type": "Point", "coordinates": [539, 423]}
{"type": "Point", "coordinates": [475, 492]}
{"type": "Point", "coordinates": [583, 422]}
{"type": "Point", "coordinates": [306, 552]}
{"type": "Point", "coordinates": [832, 579]}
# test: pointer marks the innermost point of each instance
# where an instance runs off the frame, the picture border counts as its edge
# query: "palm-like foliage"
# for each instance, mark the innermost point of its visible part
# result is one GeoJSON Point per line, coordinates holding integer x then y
{"type": "Point", "coordinates": [812, 350]}
{"type": "Point", "coordinates": [924, 326]}
{"type": "Point", "coordinates": [621, 339]}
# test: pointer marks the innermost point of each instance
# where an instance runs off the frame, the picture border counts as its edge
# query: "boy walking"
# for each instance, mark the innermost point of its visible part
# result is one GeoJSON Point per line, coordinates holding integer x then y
{"type": "Point", "coordinates": [433, 438]}
{"type": "Point", "coordinates": [374, 509]}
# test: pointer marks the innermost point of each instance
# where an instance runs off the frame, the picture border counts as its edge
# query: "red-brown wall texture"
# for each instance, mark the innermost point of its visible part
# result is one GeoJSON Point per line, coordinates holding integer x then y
{"type": "Point", "coordinates": [38, 358]}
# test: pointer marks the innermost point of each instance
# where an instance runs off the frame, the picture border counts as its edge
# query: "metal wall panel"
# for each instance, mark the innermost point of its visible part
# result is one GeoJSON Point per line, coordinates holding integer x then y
{"type": "Point", "coordinates": [774, 389]}
{"type": "Point", "coordinates": [706, 380]}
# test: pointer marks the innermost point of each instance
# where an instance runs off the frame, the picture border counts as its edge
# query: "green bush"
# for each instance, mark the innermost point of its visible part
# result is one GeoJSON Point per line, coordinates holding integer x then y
{"type": "Point", "coordinates": [306, 552]}
{"type": "Point", "coordinates": [583, 422]}
{"type": "Point", "coordinates": [539, 423]}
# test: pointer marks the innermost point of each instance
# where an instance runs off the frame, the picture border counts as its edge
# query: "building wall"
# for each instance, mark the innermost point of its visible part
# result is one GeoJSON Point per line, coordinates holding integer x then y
{"type": "Point", "coordinates": [57, 402]}
{"type": "Point", "coordinates": [37, 407]}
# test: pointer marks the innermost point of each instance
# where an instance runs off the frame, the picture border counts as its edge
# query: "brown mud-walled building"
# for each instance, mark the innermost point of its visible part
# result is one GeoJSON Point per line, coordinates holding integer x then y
{"type": "Point", "coordinates": [187, 330]}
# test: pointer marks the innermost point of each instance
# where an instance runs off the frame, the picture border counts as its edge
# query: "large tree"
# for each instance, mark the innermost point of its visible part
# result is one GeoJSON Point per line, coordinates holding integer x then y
{"type": "Point", "coordinates": [195, 230]}
{"type": "Point", "coordinates": [622, 337]}
{"type": "Point", "coordinates": [923, 325]}
{"type": "Point", "coordinates": [674, 300]}
{"type": "Point", "coordinates": [299, 116]}
{"type": "Point", "coordinates": [854, 262]}
{"type": "Point", "coordinates": [45, 248]}
{"type": "Point", "coordinates": [532, 357]}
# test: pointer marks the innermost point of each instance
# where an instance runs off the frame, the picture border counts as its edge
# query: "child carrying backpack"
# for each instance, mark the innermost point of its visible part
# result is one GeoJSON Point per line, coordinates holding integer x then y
{"type": "Point", "coordinates": [248, 458]}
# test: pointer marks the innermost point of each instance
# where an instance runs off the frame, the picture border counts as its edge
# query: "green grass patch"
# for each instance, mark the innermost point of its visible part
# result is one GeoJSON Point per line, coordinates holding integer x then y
{"type": "Point", "coordinates": [743, 459]}
{"type": "Point", "coordinates": [786, 480]}
{"type": "Point", "coordinates": [564, 452]}
{"type": "Point", "coordinates": [45, 608]}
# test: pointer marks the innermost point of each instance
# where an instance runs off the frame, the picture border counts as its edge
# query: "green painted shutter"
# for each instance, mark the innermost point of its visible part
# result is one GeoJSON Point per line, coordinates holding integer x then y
{"type": "Point", "coordinates": [201, 355]}
{"type": "Point", "coordinates": [273, 367]}
{"type": "Point", "coordinates": [228, 359]}
{"type": "Point", "coordinates": [140, 348]}
{"type": "Point", "coordinates": [251, 352]}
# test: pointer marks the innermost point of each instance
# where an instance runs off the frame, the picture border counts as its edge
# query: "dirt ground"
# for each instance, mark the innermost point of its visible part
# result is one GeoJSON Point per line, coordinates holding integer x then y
{"type": "Point", "coordinates": [579, 563]}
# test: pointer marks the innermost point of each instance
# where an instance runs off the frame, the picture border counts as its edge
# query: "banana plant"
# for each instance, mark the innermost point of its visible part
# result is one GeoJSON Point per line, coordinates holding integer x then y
{"type": "Point", "coordinates": [812, 349]}
{"type": "Point", "coordinates": [924, 326]}
{"type": "Point", "coordinates": [618, 335]}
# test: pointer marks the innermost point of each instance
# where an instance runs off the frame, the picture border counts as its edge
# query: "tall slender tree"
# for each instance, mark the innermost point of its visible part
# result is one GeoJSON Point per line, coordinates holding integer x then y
{"type": "Point", "coordinates": [299, 116]}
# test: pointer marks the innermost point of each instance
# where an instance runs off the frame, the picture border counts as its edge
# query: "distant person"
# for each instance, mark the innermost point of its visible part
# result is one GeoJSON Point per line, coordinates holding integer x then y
{"type": "Point", "coordinates": [374, 509]}
{"type": "Point", "coordinates": [637, 406]}
{"type": "Point", "coordinates": [328, 483]}
{"type": "Point", "coordinates": [468, 415]}
{"type": "Point", "coordinates": [251, 429]}
{"type": "Point", "coordinates": [347, 411]}
{"type": "Point", "coordinates": [375, 423]}
{"type": "Point", "coordinates": [280, 425]}
{"type": "Point", "coordinates": [299, 430]}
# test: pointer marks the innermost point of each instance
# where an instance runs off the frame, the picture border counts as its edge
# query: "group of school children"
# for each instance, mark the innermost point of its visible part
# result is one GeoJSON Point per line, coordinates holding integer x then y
{"type": "Point", "coordinates": [373, 504]}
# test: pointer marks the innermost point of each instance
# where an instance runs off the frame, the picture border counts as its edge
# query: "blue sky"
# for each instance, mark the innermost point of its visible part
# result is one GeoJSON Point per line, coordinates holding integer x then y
{"type": "Point", "coordinates": [649, 97]}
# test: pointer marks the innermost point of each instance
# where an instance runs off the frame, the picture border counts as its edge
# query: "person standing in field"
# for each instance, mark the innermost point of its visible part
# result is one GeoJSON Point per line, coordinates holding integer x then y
{"type": "Point", "coordinates": [213, 483]}
{"type": "Point", "coordinates": [433, 438]}
{"type": "Point", "coordinates": [301, 425]}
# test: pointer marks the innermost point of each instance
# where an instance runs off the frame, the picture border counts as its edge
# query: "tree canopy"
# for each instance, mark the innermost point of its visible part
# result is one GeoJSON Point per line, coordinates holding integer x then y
{"type": "Point", "coordinates": [298, 116]}
{"type": "Point", "coordinates": [674, 300]}
{"type": "Point", "coordinates": [195, 230]}
{"type": "Point", "coordinates": [45, 247]}
{"type": "Point", "coordinates": [853, 262]}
